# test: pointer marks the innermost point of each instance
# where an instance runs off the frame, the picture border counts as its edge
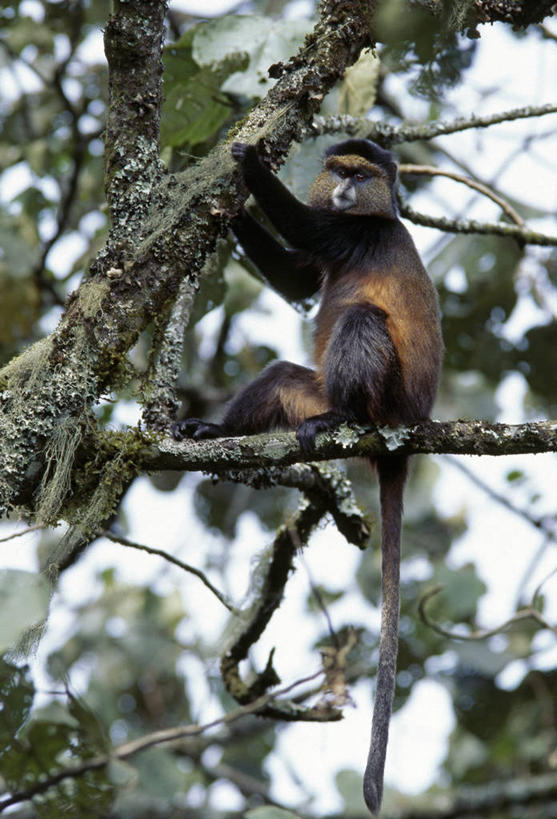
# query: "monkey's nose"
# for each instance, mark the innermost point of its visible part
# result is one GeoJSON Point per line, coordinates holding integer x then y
{"type": "Point", "coordinates": [344, 197]}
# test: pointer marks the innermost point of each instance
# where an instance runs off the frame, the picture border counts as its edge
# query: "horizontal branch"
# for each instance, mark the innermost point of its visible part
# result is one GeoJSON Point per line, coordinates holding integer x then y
{"type": "Point", "coordinates": [282, 448]}
{"type": "Point", "coordinates": [521, 234]}
{"type": "Point", "coordinates": [394, 134]}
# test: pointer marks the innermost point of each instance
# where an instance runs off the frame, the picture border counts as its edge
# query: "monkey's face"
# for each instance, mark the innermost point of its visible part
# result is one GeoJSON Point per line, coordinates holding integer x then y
{"type": "Point", "coordinates": [352, 184]}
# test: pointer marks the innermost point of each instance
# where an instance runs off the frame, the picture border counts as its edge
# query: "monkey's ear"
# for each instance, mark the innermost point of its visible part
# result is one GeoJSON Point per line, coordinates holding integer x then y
{"type": "Point", "coordinates": [391, 168]}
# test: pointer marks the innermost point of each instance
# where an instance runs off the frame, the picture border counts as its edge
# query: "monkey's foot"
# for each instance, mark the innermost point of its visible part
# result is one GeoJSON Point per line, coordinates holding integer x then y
{"type": "Point", "coordinates": [197, 429]}
{"type": "Point", "coordinates": [309, 428]}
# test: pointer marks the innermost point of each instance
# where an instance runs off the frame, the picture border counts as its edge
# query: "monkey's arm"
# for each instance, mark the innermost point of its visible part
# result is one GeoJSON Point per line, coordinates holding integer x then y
{"type": "Point", "coordinates": [293, 220]}
{"type": "Point", "coordinates": [288, 271]}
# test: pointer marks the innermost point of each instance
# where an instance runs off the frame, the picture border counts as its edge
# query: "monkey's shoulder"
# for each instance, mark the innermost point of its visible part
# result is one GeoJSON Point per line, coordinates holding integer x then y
{"type": "Point", "coordinates": [396, 248]}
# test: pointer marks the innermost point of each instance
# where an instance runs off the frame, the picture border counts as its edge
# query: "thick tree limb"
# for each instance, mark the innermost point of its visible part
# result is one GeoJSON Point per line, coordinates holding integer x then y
{"type": "Point", "coordinates": [282, 449]}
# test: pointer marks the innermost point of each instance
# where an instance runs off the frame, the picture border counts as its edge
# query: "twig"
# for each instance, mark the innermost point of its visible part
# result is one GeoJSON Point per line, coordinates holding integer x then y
{"type": "Point", "coordinates": [546, 525]}
{"type": "Point", "coordinates": [156, 738]}
{"type": "Point", "coordinates": [540, 585]}
{"type": "Point", "coordinates": [477, 186]}
{"type": "Point", "coordinates": [123, 541]}
{"type": "Point", "coordinates": [410, 133]}
{"type": "Point", "coordinates": [529, 613]}
{"type": "Point", "coordinates": [23, 532]}
{"type": "Point", "coordinates": [394, 134]}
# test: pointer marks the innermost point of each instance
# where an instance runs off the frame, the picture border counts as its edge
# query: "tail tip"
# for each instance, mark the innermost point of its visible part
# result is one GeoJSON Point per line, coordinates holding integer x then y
{"type": "Point", "coordinates": [372, 797]}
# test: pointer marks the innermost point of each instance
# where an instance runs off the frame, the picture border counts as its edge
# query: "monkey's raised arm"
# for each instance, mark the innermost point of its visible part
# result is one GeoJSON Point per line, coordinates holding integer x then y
{"type": "Point", "coordinates": [293, 220]}
{"type": "Point", "coordinates": [290, 272]}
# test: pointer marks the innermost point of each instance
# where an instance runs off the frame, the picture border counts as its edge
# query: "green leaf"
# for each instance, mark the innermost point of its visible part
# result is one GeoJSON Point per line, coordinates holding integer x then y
{"type": "Point", "coordinates": [462, 588]}
{"type": "Point", "coordinates": [349, 784]}
{"type": "Point", "coordinates": [19, 242]}
{"type": "Point", "coordinates": [537, 361]}
{"type": "Point", "coordinates": [24, 599]}
{"type": "Point", "coordinates": [242, 289]}
{"type": "Point", "coordinates": [30, 32]}
{"type": "Point", "coordinates": [194, 108]}
{"type": "Point", "coordinates": [264, 40]}
{"type": "Point", "coordinates": [357, 91]}
{"type": "Point", "coordinates": [16, 695]}
{"type": "Point", "coordinates": [326, 597]}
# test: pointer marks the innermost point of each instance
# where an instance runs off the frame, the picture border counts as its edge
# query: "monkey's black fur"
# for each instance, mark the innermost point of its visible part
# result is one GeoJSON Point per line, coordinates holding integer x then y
{"type": "Point", "coordinates": [378, 344]}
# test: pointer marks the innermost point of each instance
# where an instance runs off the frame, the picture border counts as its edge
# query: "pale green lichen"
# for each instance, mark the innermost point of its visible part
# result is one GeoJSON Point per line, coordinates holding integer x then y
{"type": "Point", "coordinates": [394, 437]}
{"type": "Point", "coordinates": [59, 459]}
{"type": "Point", "coordinates": [347, 436]}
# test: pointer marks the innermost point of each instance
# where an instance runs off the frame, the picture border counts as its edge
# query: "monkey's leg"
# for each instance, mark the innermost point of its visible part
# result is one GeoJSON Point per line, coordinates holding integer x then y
{"type": "Point", "coordinates": [282, 396]}
{"type": "Point", "coordinates": [288, 271]}
{"type": "Point", "coordinates": [363, 380]}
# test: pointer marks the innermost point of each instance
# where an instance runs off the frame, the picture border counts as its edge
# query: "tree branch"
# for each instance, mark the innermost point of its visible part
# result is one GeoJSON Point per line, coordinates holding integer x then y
{"type": "Point", "coordinates": [187, 567]}
{"type": "Point", "coordinates": [522, 235]}
{"type": "Point", "coordinates": [390, 135]}
{"type": "Point", "coordinates": [161, 737]}
{"type": "Point", "coordinates": [411, 133]}
{"type": "Point", "coordinates": [282, 448]}
{"type": "Point", "coordinates": [154, 237]}
{"type": "Point", "coordinates": [274, 569]}
{"type": "Point", "coordinates": [528, 613]}
{"type": "Point", "coordinates": [546, 523]}
{"type": "Point", "coordinates": [325, 485]}
{"type": "Point", "coordinates": [426, 170]}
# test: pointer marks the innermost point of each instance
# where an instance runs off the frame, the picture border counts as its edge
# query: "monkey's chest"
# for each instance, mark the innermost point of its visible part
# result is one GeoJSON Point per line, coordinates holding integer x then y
{"type": "Point", "coordinates": [338, 299]}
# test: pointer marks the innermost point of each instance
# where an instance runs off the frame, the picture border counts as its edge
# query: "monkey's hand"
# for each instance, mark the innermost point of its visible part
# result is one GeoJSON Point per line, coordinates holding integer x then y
{"type": "Point", "coordinates": [196, 429]}
{"type": "Point", "coordinates": [308, 429]}
{"type": "Point", "coordinates": [239, 151]}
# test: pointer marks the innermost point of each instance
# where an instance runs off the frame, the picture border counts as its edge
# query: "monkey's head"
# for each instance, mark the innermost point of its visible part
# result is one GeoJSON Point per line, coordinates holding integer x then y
{"type": "Point", "coordinates": [358, 178]}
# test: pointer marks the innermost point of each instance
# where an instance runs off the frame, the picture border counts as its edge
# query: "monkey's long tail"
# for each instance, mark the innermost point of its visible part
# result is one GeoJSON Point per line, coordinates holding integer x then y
{"type": "Point", "coordinates": [392, 477]}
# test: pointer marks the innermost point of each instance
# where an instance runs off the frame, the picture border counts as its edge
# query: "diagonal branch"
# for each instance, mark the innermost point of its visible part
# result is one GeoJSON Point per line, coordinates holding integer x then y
{"type": "Point", "coordinates": [275, 567]}
{"type": "Point", "coordinates": [161, 737]}
{"type": "Point", "coordinates": [426, 170]}
{"type": "Point", "coordinates": [187, 567]}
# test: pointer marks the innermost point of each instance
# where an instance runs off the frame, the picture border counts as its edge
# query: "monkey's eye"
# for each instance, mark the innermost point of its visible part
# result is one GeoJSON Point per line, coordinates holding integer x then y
{"type": "Point", "coordinates": [359, 176]}
{"type": "Point", "coordinates": [342, 173]}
